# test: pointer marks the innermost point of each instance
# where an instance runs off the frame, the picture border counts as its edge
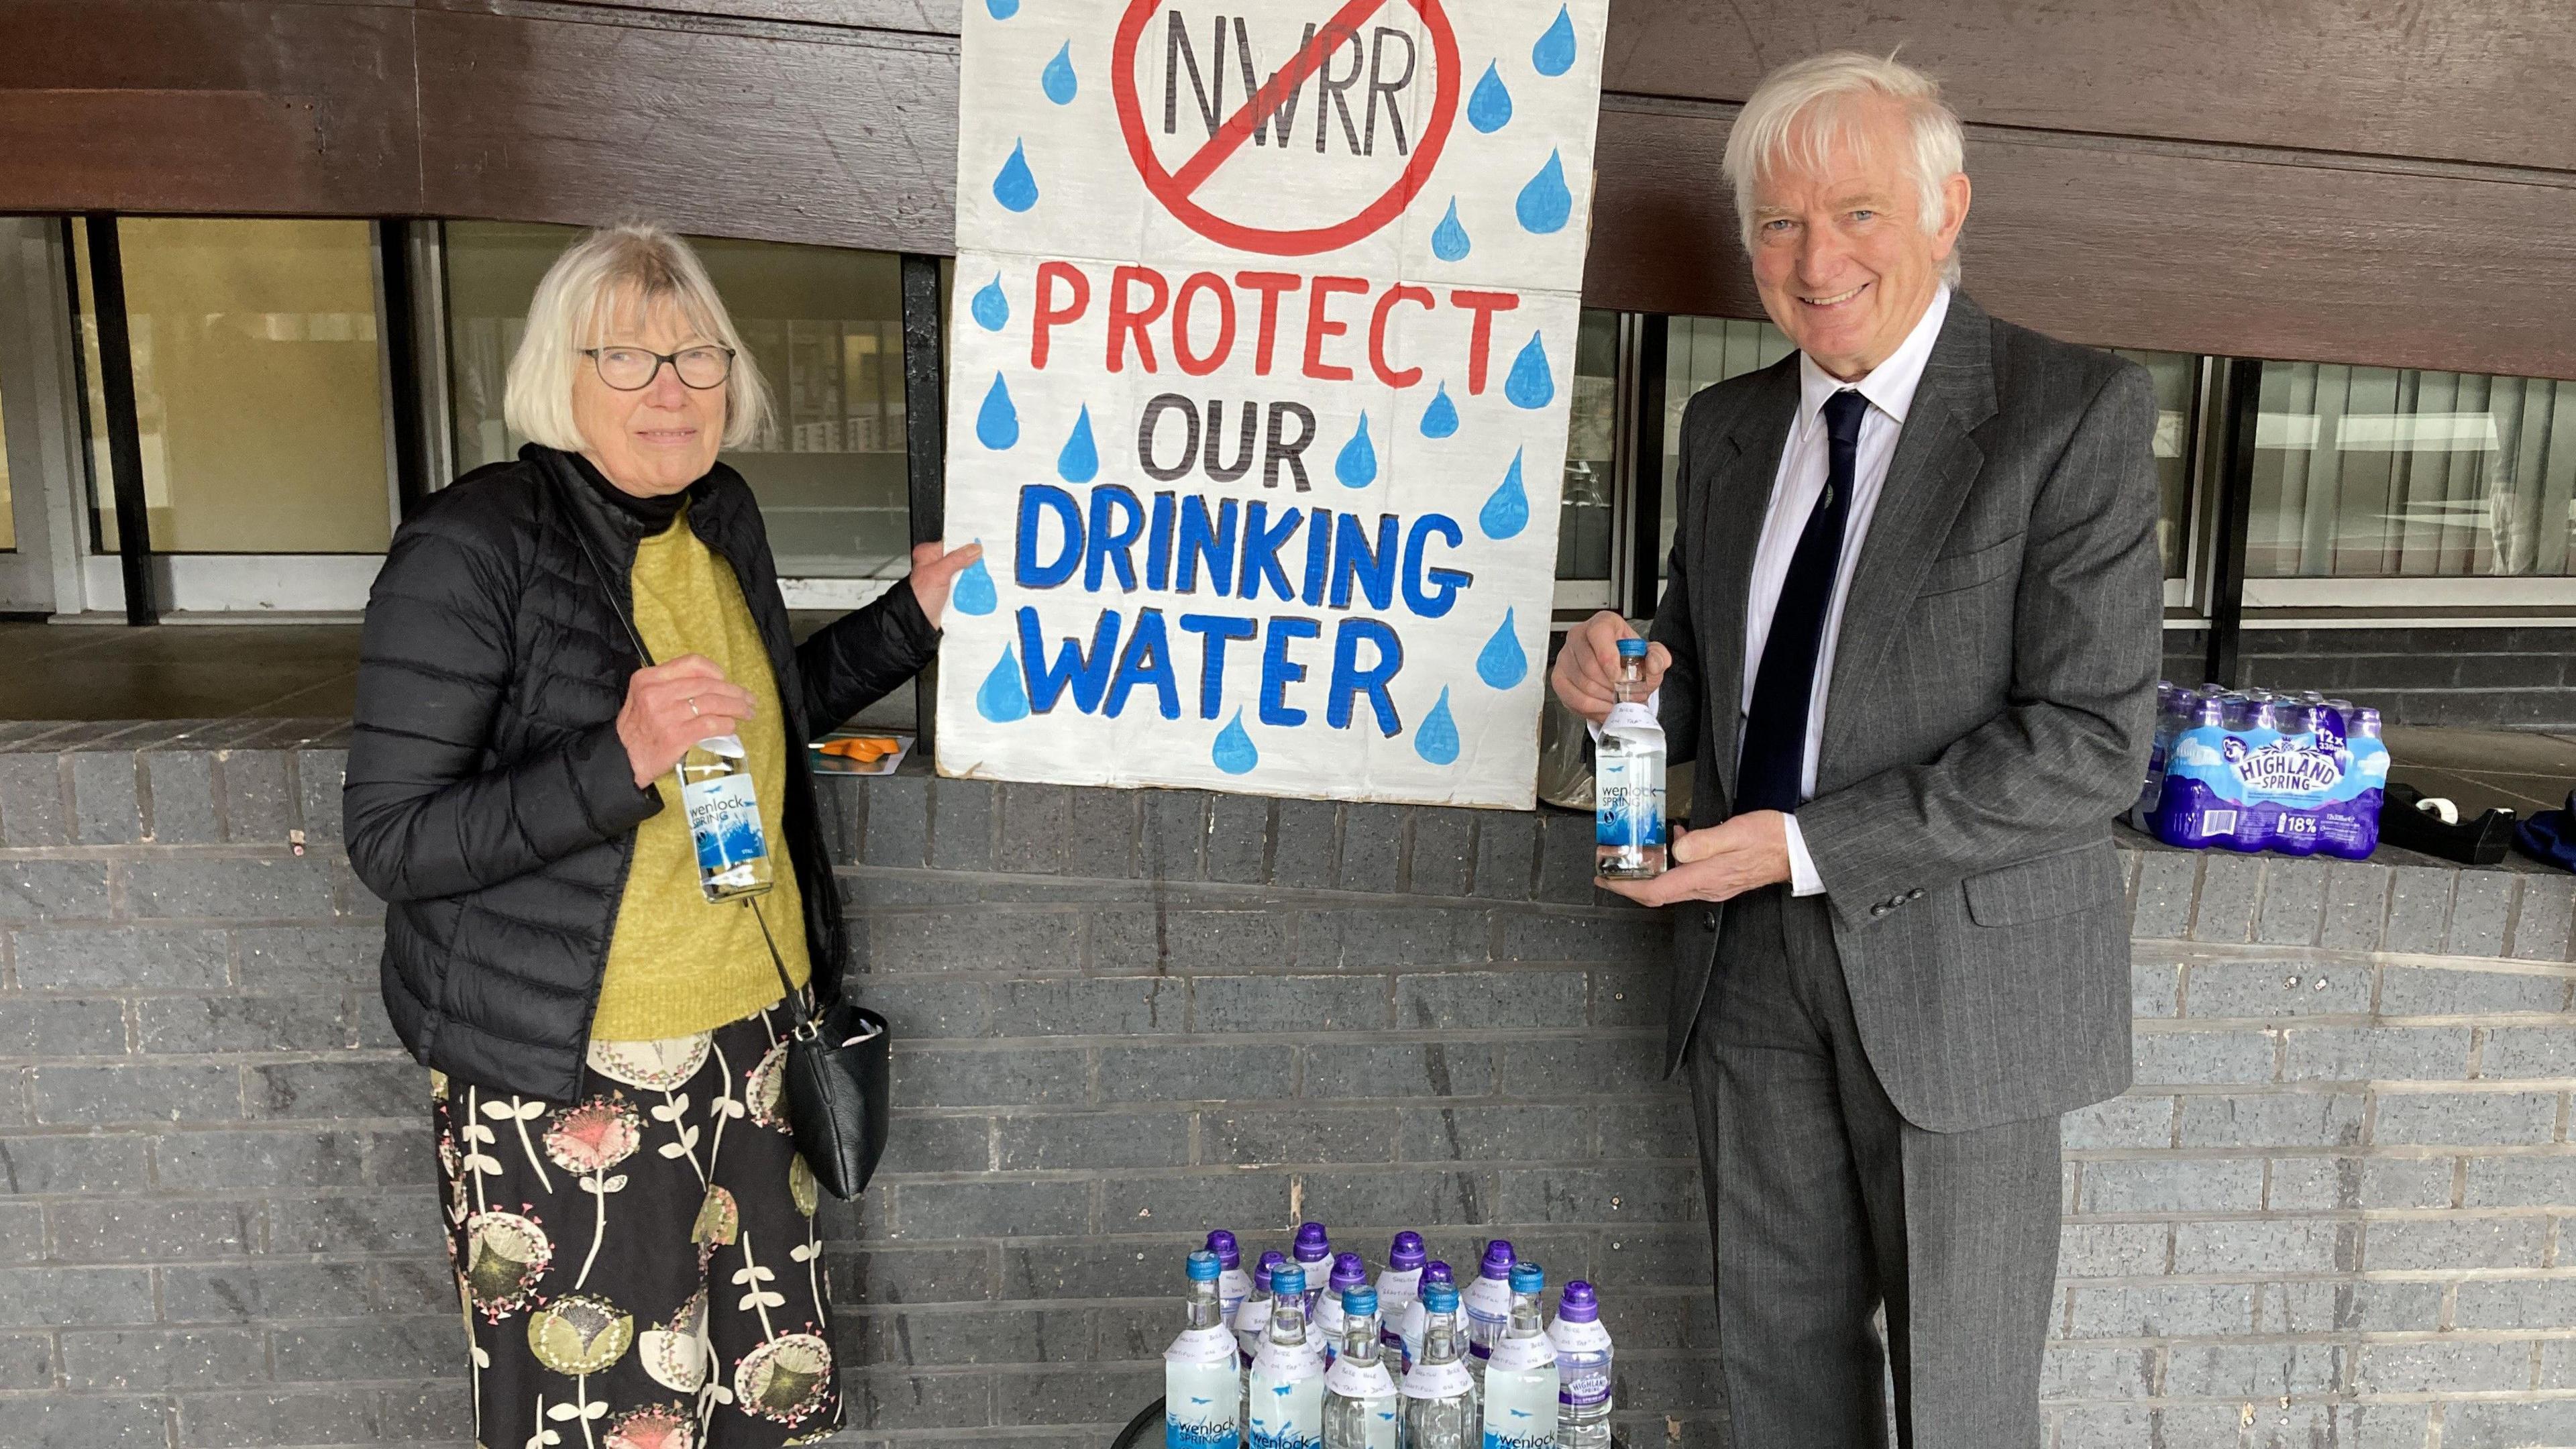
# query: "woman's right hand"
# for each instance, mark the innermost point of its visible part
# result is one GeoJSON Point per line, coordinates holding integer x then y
{"type": "Point", "coordinates": [670, 707]}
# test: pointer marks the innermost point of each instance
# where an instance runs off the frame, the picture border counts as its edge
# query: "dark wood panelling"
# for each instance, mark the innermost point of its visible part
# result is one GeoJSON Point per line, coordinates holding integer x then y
{"type": "Point", "coordinates": [2134, 244]}
{"type": "Point", "coordinates": [2469, 80]}
{"type": "Point", "coordinates": [246, 107]}
{"type": "Point", "coordinates": [850, 140]}
{"type": "Point", "coordinates": [788, 120]}
{"type": "Point", "coordinates": [928, 17]}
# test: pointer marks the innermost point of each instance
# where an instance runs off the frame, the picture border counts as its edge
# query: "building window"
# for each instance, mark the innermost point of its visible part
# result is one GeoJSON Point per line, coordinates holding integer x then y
{"type": "Point", "coordinates": [1588, 511]}
{"type": "Point", "coordinates": [1702, 352]}
{"type": "Point", "coordinates": [825, 326]}
{"type": "Point", "coordinates": [259, 386]}
{"type": "Point", "coordinates": [2402, 488]}
{"type": "Point", "coordinates": [2177, 383]}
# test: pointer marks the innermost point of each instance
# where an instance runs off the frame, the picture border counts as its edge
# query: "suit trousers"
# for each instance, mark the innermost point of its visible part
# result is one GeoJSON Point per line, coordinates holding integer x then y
{"type": "Point", "coordinates": [1825, 1204]}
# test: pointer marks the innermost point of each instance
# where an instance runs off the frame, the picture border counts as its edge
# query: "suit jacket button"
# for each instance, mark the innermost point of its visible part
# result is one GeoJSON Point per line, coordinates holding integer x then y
{"type": "Point", "coordinates": [1708, 921]}
{"type": "Point", "coordinates": [1915, 894]}
{"type": "Point", "coordinates": [1882, 908]}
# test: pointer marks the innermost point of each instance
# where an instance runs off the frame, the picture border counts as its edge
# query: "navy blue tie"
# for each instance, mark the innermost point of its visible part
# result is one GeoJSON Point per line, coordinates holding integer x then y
{"type": "Point", "coordinates": [1772, 764]}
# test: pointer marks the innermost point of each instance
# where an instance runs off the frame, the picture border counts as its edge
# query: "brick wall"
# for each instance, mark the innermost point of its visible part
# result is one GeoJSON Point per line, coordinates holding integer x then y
{"type": "Point", "coordinates": [2513, 678]}
{"type": "Point", "coordinates": [2330, 1212]}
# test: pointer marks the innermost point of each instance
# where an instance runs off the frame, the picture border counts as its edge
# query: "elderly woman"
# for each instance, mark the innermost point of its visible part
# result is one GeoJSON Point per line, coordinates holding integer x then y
{"type": "Point", "coordinates": [631, 1225]}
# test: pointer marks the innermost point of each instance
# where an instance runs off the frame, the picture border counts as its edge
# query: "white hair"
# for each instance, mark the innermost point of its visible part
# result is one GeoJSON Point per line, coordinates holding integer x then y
{"type": "Point", "coordinates": [1800, 111]}
{"type": "Point", "coordinates": [635, 265]}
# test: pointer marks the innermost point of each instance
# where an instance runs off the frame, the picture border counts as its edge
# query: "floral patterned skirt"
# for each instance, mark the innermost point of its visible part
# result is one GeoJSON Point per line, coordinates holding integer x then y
{"type": "Point", "coordinates": [639, 1269]}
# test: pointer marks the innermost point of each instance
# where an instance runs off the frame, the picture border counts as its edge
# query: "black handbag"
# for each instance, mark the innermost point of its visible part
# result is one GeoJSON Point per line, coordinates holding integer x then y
{"type": "Point", "coordinates": [837, 1078]}
{"type": "Point", "coordinates": [837, 1084]}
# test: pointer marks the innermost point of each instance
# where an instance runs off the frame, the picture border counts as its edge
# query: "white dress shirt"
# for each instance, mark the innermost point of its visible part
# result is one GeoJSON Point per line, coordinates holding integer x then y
{"type": "Point", "coordinates": [1889, 387]}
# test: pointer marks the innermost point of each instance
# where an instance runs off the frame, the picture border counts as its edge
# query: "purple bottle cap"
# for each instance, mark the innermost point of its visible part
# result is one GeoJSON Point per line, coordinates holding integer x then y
{"type": "Point", "coordinates": [1349, 1271]}
{"type": "Point", "coordinates": [1580, 1304]}
{"type": "Point", "coordinates": [1272, 1259]}
{"type": "Point", "coordinates": [1229, 1253]}
{"type": "Point", "coordinates": [1498, 1260]}
{"type": "Point", "coordinates": [1312, 1245]}
{"type": "Point", "coordinates": [1407, 1254]}
{"type": "Point", "coordinates": [1438, 1272]}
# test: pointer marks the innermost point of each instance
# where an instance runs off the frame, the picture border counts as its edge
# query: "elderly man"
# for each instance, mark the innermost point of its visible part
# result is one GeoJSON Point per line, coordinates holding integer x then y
{"type": "Point", "coordinates": [1910, 636]}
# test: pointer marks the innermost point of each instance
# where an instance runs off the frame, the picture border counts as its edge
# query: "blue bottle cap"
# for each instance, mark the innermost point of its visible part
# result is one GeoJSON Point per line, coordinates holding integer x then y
{"type": "Point", "coordinates": [1528, 1277]}
{"type": "Point", "coordinates": [1204, 1267]}
{"type": "Point", "coordinates": [1441, 1297]}
{"type": "Point", "coordinates": [1359, 1302]}
{"type": "Point", "coordinates": [1288, 1280]}
{"type": "Point", "coordinates": [1632, 648]}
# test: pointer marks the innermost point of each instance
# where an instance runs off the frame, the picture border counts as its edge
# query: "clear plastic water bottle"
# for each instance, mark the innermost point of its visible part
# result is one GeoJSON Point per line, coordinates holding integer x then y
{"type": "Point", "coordinates": [1349, 1272]}
{"type": "Point", "coordinates": [1253, 1318]}
{"type": "Point", "coordinates": [1628, 778]}
{"type": "Point", "coordinates": [1360, 1401]}
{"type": "Point", "coordinates": [1287, 1380]}
{"type": "Point", "coordinates": [1521, 1378]}
{"type": "Point", "coordinates": [1233, 1285]}
{"type": "Point", "coordinates": [724, 818]}
{"type": "Point", "coordinates": [1398, 1285]}
{"type": "Point", "coordinates": [1489, 1304]}
{"type": "Point", "coordinates": [1202, 1387]}
{"type": "Point", "coordinates": [1313, 1252]}
{"type": "Point", "coordinates": [1440, 1404]}
{"type": "Point", "coordinates": [1582, 1370]}
{"type": "Point", "coordinates": [1409, 1328]}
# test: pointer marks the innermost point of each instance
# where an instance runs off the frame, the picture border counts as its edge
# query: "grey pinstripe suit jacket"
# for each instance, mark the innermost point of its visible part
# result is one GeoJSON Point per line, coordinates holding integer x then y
{"type": "Point", "coordinates": [1992, 696]}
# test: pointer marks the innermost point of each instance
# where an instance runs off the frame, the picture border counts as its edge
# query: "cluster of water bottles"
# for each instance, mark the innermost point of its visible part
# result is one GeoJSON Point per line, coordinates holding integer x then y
{"type": "Point", "coordinates": [2252, 770]}
{"type": "Point", "coordinates": [1305, 1352]}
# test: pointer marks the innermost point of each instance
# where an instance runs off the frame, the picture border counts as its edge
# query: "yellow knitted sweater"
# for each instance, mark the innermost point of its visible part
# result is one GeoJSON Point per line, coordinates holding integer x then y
{"type": "Point", "coordinates": [677, 964]}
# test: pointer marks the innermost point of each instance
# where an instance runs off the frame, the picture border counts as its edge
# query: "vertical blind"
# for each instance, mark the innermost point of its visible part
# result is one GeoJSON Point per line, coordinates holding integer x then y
{"type": "Point", "coordinates": [2373, 472]}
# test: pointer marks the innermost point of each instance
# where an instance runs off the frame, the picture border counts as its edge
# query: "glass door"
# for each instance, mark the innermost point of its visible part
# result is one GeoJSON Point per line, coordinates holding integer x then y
{"type": "Point", "coordinates": [260, 399]}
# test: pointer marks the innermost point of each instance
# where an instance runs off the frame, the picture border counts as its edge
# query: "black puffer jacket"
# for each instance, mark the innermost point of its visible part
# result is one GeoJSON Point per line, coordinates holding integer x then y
{"type": "Point", "coordinates": [489, 799]}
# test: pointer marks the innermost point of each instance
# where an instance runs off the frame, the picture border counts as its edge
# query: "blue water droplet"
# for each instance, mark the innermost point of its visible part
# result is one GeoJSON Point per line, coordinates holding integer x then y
{"type": "Point", "coordinates": [1530, 385]}
{"type": "Point", "coordinates": [1436, 738]}
{"type": "Point", "coordinates": [1356, 464]}
{"type": "Point", "coordinates": [1503, 664]}
{"type": "Point", "coordinates": [1449, 239]}
{"type": "Point", "coordinates": [1234, 753]}
{"type": "Point", "coordinates": [1003, 697]}
{"type": "Point", "coordinates": [992, 309]}
{"type": "Point", "coordinates": [973, 592]}
{"type": "Point", "coordinates": [1441, 418]}
{"type": "Point", "coordinates": [1013, 186]}
{"type": "Point", "coordinates": [1001, 9]}
{"type": "Point", "coordinates": [1544, 203]}
{"type": "Point", "coordinates": [1079, 462]}
{"type": "Point", "coordinates": [1057, 80]}
{"type": "Point", "coordinates": [1554, 53]}
{"type": "Point", "coordinates": [997, 423]}
{"type": "Point", "coordinates": [1490, 108]}
{"type": "Point", "coordinates": [1506, 512]}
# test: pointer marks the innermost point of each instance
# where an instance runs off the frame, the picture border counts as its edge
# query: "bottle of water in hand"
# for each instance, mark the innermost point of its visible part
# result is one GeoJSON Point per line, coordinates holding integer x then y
{"type": "Point", "coordinates": [724, 819]}
{"type": "Point", "coordinates": [1628, 778]}
{"type": "Point", "coordinates": [1202, 1393]}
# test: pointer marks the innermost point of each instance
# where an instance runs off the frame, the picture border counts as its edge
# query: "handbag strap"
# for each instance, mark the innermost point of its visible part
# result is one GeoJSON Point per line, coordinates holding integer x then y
{"type": "Point", "coordinates": [801, 1021]}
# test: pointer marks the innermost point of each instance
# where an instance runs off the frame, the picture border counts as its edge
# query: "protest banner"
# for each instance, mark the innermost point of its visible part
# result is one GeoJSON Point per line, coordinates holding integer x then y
{"type": "Point", "coordinates": [1261, 348]}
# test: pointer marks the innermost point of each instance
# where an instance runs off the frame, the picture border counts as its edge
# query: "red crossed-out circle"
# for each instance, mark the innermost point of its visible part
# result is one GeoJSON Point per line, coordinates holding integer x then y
{"type": "Point", "coordinates": [1174, 189]}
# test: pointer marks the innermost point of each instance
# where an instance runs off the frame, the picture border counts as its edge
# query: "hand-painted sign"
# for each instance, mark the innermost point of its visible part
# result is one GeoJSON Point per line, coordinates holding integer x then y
{"type": "Point", "coordinates": [1264, 338]}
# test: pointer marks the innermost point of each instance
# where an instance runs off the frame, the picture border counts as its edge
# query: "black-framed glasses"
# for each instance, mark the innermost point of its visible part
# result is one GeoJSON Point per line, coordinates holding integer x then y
{"type": "Point", "coordinates": [632, 369]}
